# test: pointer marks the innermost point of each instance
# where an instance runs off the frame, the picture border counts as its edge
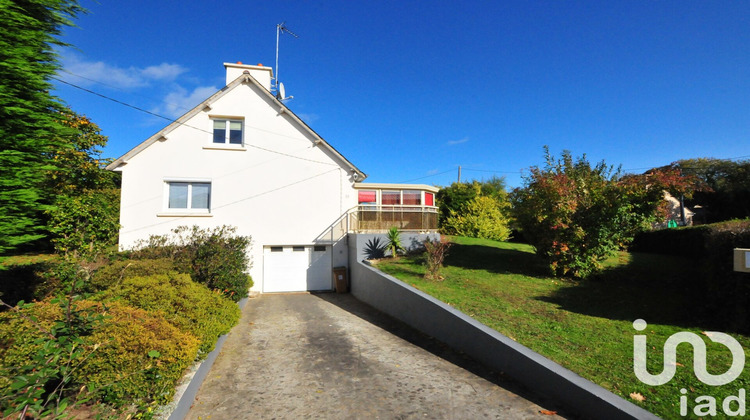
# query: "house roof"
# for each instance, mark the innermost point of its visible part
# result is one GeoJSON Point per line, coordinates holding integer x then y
{"type": "Point", "coordinates": [244, 78]}
{"type": "Point", "coordinates": [374, 186]}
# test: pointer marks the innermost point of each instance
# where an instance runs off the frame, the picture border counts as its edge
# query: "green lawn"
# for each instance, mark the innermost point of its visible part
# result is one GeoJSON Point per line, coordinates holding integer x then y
{"type": "Point", "coordinates": [586, 326]}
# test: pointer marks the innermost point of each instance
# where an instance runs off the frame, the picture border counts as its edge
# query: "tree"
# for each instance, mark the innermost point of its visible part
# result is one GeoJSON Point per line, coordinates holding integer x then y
{"type": "Point", "coordinates": [482, 217]}
{"type": "Point", "coordinates": [30, 124]}
{"type": "Point", "coordinates": [576, 214]}
{"type": "Point", "coordinates": [80, 166]}
{"type": "Point", "coordinates": [726, 192]}
{"type": "Point", "coordinates": [476, 209]}
{"type": "Point", "coordinates": [455, 198]}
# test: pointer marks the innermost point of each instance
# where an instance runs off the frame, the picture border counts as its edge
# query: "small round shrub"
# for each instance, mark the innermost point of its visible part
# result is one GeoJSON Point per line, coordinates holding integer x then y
{"type": "Point", "coordinates": [186, 304]}
{"type": "Point", "coordinates": [116, 271]}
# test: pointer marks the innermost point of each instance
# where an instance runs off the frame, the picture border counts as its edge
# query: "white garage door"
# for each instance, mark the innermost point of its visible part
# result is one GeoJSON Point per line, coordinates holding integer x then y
{"type": "Point", "coordinates": [296, 268]}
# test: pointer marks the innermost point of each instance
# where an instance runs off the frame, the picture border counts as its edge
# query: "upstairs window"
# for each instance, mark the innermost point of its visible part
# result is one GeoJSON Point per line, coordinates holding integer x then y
{"type": "Point", "coordinates": [228, 132]}
{"type": "Point", "coordinates": [189, 195]}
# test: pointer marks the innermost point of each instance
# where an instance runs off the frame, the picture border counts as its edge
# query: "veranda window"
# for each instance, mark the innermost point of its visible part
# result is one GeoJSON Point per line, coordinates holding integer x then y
{"type": "Point", "coordinates": [412, 198]}
{"type": "Point", "coordinates": [391, 198]}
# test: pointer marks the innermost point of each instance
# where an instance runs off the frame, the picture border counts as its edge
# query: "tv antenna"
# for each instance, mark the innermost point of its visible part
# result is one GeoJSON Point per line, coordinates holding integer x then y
{"type": "Point", "coordinates": [279, 87]}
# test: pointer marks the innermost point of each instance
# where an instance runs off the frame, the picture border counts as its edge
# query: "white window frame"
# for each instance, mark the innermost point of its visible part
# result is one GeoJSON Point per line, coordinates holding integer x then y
{"type": "Point", "coordinates": [189, 211]}
{"type": "Point", "coordinates": [227, 121]}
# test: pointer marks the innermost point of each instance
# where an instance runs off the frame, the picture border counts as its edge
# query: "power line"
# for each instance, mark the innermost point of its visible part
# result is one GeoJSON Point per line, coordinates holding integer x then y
{"type": "Point", "coordinates": [428, 176]}
{"type": "Point", "coordinates": [122, 103]}
{"type": "Point", "coordinates": [172, 120]}
{"type": "Point", "coordinates": [492, 171]}
{"type": "Point", "coordinates": [124, 91]}
{"type": "Point", "coordinates": [174, 218]}
{"type": "Point", "coordinates": [159, 100]}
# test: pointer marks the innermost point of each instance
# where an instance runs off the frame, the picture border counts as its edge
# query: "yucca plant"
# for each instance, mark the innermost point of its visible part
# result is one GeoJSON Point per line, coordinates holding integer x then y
{"type": "Point", "coordinates": [394, 241]}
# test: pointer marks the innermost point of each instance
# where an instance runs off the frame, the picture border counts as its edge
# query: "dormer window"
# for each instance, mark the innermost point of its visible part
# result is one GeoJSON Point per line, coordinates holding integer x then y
{"type": "Point", "coordinates": [228, 132]}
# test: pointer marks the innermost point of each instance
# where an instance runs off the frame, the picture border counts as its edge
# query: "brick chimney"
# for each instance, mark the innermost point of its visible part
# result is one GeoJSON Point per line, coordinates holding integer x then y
{"type": "Point", "coordinates": [260, 73]}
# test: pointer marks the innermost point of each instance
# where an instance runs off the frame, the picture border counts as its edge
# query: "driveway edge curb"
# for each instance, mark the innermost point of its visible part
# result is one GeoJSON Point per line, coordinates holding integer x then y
{"type": "Point", "coordinates": [188, 396]}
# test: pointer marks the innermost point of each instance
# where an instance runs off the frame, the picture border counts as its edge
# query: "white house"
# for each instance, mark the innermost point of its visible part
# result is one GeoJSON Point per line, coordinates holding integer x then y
{"type": "Point", "coordinates": [242, 158]}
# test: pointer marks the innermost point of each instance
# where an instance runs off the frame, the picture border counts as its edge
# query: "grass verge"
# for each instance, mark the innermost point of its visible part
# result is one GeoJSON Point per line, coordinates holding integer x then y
{"type": "Point", "coordinates": [587, 326]}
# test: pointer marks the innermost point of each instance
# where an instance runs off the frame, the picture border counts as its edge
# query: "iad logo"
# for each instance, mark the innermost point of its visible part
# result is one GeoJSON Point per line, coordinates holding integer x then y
{"type": "Point", "coordinates": [699, 357]}
{"type": "Point", "coordinates": [705, 405]}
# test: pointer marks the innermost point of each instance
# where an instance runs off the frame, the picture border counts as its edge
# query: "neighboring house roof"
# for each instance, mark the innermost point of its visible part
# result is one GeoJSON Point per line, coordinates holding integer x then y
{"type": "Point", "coordinates": [244, 78]}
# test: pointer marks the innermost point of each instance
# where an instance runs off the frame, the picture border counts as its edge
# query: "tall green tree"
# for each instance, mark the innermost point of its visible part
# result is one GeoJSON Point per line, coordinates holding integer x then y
{"type": "Point", "coordinates": [31, 127]}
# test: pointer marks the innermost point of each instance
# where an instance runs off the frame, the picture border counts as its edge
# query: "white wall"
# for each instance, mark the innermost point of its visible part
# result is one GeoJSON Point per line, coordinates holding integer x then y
{"type": "Point", "coordinates": [275, 198]}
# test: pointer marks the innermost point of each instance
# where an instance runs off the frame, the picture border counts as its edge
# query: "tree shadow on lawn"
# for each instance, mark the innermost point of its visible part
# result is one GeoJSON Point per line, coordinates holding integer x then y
{"type": "Point", "coordinates": [659, 289]}
{"type": "Point", "coordinates": [496, 260]}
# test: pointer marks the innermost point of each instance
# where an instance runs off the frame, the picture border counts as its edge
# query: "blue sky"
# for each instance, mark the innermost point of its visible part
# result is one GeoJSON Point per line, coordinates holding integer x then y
{"type": "Point", "coordinates": [408, 91]}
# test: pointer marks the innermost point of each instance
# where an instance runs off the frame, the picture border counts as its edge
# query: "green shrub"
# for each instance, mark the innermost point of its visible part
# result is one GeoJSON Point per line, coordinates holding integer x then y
{"type": "Point", "coordinates": [85, 224]}
{"type": "Point", "coordinates": [134, 357]}
{"type": "Point", "coordinates": [481, 217]}
{"type": "Point", "coordinates": [217, 258]}
{"type": "Point", "coordinates": [116, 271]}
{"type": "Point", "coordinates": [186, 304]}
{"type": "Point", "coordinates": [18, 342]}
{"type": "Point", "coordinates": [140, 359]}
{"type": "Point", "coordinates": [576, 214]}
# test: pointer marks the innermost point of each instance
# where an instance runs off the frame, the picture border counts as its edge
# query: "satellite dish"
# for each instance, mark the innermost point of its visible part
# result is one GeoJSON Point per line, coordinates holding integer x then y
{"type": "Point", "coordinates": [282, 92]}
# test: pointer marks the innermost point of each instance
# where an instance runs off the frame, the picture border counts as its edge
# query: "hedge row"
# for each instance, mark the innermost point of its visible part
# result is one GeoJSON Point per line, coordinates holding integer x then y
{"type": "Point", "coordinates": [722, 294]}
{"type": "Point", "coordinates": [186, 304]}
{"type": "Point", "coordinates": [134, 357]}
{"type": "Point", "coordinates": [155, 327]}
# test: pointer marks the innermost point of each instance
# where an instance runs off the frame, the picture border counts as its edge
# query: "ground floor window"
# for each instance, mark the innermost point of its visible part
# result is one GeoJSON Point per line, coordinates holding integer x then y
{"type": "Point", "coordinates": [189, 195]}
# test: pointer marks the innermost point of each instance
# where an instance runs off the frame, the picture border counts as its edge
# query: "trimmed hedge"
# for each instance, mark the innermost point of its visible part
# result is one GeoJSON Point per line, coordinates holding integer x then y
{"type": "Point", "coordinates": [116, 271]}
{"type": "Point", "coordinates": [119, 369]}
{"type": "Point", "coordinates": [186, 304]}
{"type": "Point", "coordinates": [692, 242]}
{"type": "Point", "coordinates": [721, 294]}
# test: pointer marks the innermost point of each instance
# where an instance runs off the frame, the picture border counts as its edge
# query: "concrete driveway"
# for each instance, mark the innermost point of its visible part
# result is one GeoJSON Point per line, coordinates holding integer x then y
{"type": "Point", "coordinates": [329, 356]}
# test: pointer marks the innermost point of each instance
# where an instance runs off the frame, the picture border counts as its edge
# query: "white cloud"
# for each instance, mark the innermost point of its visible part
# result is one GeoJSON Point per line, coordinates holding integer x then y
{"type": "Point", "coordinates": [459, 141]}
{"type": "Point", "coordinates": [308, 118]}
{"type": "Point", "coordinates": [180, 100]}
{"type": "Point", "coordinates": [163, 72]}
{"type": "Point", "coordinates": [89, 72]}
